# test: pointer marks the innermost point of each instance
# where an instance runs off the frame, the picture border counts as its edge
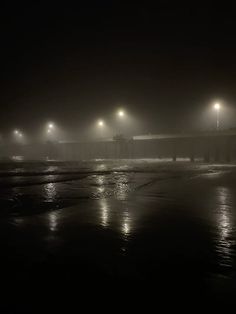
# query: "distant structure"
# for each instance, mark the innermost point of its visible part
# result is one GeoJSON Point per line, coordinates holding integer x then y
{"type": "Point", "coordinates": [215, 146]}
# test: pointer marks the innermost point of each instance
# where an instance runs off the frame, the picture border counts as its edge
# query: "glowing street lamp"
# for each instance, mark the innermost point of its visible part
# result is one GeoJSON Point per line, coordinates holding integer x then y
{"type": "Point", "coordinates": [121, 113]}
{"type": "Point", "coordinates": [50, 129]}
{"type": "Point", "coordinates": [18, 134]}
{"type": "Point", "coordinates": [100, 123]}
{"type": "Point", "coordinates": [217, 109]}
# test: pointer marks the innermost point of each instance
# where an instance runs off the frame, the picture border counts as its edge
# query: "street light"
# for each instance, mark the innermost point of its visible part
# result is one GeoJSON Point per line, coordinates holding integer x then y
{"type": "Point", "coordinates": [121, 113]}
{"type": "Point", "coordinates": [100, 123]}
{"type": "Point", "coordinates": [50, 130]}
{"type": "Point", "coordinates": [217, 109]}
{"type": "Point", "coordinates": [18, 135]}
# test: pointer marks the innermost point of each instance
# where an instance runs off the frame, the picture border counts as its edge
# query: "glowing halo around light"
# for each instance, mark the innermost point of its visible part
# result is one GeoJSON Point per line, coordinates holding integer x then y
{"type": "Point", "coordinates": [100, 123]}
{"type": "Point", "coordinates": [121, 113]}
{"type": "Point", "coordinates": [217, 106]}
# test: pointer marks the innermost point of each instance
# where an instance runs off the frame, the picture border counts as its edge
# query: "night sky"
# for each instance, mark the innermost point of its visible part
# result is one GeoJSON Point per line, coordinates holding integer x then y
{"type": "Point", "coordinates": [72, 64]}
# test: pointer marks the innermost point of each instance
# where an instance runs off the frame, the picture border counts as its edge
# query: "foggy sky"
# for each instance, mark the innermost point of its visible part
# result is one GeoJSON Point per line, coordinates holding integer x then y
{"type": "Point", "coordinates": [165, 64]}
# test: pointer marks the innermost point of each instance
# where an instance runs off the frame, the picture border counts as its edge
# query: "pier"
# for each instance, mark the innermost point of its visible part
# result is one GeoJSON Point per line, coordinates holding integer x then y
{"type": "Point", "coordinates": [215, 146]}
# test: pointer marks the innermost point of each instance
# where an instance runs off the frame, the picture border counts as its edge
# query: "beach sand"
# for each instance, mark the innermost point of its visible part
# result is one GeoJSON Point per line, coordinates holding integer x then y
{"type": "Point", "coordinates": [171, 226]}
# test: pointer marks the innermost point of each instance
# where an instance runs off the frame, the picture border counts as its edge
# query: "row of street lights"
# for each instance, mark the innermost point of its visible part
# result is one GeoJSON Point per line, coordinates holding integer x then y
{"type": "Point", "coordinates": [216, 106]}
{"type": "Point", "coordinates": [50, 128]}
{"type": "Point", "coordinates": [120, 114]}
{"type": "Point", "coordinates": [101, 123]}
{"type": "Point", "coordinates": [19, 135]}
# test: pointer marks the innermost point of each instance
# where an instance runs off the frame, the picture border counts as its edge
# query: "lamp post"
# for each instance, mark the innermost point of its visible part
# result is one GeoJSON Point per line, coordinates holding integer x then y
{"type": "Point", "coordinates": [50, 126]}
{"type": "Point", "coordinates": [50, 131]}
{"type": "Point", "coordinates": [18, 136]}
{"type": "Point", "coordinates": [121, 115]}
{"type": "Point", "coordinates": [100, 123]}
{"type": "Point", "coordinates": [101, 127]}
{"type": "Point", "coordinates": [217, 109]}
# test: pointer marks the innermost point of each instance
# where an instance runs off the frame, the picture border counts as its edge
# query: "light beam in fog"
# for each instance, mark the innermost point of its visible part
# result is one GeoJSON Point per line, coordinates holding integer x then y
{"type": "Point", "coordinates": [217, 108]}
{"type": "Point", "coordinates": [100, 123]}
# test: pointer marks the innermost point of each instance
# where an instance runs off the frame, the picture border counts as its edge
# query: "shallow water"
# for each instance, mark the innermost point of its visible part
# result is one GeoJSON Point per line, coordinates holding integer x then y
{"type": "Point", "coordinates": [129, 220]}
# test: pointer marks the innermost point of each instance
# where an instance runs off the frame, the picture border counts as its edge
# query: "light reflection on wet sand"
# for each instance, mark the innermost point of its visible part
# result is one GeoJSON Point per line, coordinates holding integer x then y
{"type": "Point", "coordinates": [225, 225]}
{"type": "Point", "coordinates": [109, 217]}
{"type": "Point", "coordinates": [104, 212]}
{"type": "Point", "coordinates": [118, 219]}
{"type": "Point", "coordinates": [138, 224]}
{"type": "Point", "coordinates": [50, 196]}
{"type": "Point", "coordinates": [101, 167]}
{"type": "Point", "coordinates": [126, 223]}
{"type": "Point", "coordinates": [122, 188]}
{"type": "Point", "coordinates": [53, 220]}
{"type": "Point", "coordinates": [50, 192]}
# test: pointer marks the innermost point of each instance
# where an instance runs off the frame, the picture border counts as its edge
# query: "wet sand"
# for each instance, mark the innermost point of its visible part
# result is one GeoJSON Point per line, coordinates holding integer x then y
{"type": "Point", "coordinates": [133, 225]}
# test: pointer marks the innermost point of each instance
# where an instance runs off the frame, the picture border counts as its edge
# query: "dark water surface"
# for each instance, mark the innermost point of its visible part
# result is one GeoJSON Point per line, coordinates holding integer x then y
{"type": "Point", "coordinates": [140, 223]}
